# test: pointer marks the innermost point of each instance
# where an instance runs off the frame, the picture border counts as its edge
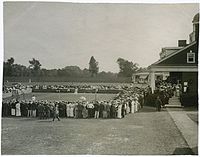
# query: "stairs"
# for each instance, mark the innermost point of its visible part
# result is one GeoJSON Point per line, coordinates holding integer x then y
{"type": "Point", "coordinates": [174, 102]}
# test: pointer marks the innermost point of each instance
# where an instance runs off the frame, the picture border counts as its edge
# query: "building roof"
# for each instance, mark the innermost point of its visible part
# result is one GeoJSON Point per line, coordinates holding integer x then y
{"type": "Point", "coordinates": [176, 48]}
{"type": "Point", "coordinates": [173, 54]}
{"type": "Point", "coordinates": [142, 70]}
{"type": "Point", "coordinates": [196, 18]}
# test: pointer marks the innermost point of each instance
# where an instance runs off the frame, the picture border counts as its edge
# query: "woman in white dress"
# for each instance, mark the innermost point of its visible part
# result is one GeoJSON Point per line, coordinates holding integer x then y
{"type": "Point", "coordinates": [136, 105]}
{"type": "Point", "coordinates": [18, 110]}
{"type": "Point", "coordinates": [119, 111]}
{"type": "Point", "coordinates": [68, 109]}
{"type": "Point", "coordinates": [132, 106]}
{"type": "Point", "coordinates": [127, 108]}
{"type": "Point", "coordinates": [71, 114]}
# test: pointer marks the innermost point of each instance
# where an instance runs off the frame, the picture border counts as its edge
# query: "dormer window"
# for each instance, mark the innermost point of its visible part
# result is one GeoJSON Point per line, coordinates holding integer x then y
{"type": "Point", "coordinates": [190, 57]}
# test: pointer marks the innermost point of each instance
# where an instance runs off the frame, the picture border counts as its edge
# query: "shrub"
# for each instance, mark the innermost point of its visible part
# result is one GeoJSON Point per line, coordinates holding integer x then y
{"type": "Point", "coordinates": [189, 99]}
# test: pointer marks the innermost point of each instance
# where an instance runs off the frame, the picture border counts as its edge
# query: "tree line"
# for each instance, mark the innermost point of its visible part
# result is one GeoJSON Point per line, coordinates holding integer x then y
{"type": "Point", "coordinates": [11, 69]}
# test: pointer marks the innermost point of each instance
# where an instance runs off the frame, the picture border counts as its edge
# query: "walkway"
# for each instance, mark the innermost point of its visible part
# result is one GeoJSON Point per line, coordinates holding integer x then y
{"type": "Point", "coordinates": [187, 126]}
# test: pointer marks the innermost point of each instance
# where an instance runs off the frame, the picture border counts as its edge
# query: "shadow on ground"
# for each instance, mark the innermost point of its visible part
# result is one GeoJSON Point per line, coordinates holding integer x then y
{"type": "Point", "coordinates": [185, 151]}
{"type": "Point", "coordinates": [45, 121]}
{"type": "Point", "coordinates": [151, 109]}
{"type": "Point", "coordinates": [193, 117]}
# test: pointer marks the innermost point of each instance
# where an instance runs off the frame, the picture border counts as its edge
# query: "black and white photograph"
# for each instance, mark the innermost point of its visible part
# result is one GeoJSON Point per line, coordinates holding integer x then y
{"type": "Point", "coordinates": [106, 78]}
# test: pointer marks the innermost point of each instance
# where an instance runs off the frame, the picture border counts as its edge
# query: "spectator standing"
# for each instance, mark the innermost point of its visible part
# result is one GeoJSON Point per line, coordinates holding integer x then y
{"type": "Point", "coordinates": [101, 107]}
{"type": "Point", "coordinates": [113, 111]}
{"type": "Point", "coordinates": [18, 110]}
{"type": "Point", "coordinates": [23, 109]}
{"type": "Point", "coordinates": [33, 109]}
{"type": "Point", "coordinates": [33, 98]}
{"type": "Point", "coordinates": [104, 110]}
{"type": "Point", "coordinates": [68, 105]}
{"type": "Point", "coordinates": [72, 110]}
{"type": "Point", "coordinates": [5, 108]}
{"type": "Point", "coordinates": [96, 109]}
{"type": "Point", "coordinates": [29, 109]}
{"type": "Point", "coordinates": [40, 111]}
{"type": "Point", "coordinates": [76, 111]}
{"type": "Point", "coordinates": [90, 107]}
{"type": "Point", "coordinates": [13, 108]}
{"type": "Point", "coordinates": [123, 110]}
{"type": "Point", "coordinates": [108, 109]}
{"type": "Point", "coordinates": [80, 109]}
{"type": "Point", "coordinates": [158, 103]}
{"type": "Point", "coordinates": [119, 111]}
{"type": "Point", "coordinates": [133, 106]}
{"type": "Point", "coordinates": [84, 111]}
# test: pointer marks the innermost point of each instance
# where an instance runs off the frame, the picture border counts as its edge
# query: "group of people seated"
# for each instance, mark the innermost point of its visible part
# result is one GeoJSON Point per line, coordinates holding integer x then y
{"type": "Point", "coordinates": [76, 86]}
{"type": "Point", "coordinates": [128, 101]}
{"type": "Point", "coordinates": [14, 87]}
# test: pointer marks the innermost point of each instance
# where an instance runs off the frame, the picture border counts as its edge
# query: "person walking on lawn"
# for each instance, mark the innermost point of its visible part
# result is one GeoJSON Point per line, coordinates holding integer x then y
{"type": "Point", "coordinates": [56, 112]}
{"type": "Point", "coordinates": [158, 103]}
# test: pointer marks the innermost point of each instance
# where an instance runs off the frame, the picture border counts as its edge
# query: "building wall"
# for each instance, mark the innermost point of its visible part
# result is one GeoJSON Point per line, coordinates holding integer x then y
{"type": "Point", "coordinates": [175, 76]}
{"type": "Point", "coordinates": [192, 79]}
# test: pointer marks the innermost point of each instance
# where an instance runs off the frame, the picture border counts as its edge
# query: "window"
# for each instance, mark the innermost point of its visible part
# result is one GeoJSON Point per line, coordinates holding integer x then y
{"type": "Point", "coordinates": [191, 57]}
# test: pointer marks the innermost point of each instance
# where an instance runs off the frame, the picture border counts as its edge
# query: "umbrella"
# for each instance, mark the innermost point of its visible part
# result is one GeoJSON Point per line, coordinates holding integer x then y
{"type": "Point", "coordinates": [83, 98]}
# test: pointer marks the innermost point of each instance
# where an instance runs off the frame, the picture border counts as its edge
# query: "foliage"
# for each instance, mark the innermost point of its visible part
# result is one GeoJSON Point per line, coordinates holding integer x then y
{"type": "Point", "coordinates": [8, 66]}
{"type": "Point", "coordinates": [93, 66]}
{"type": "Point", "coordinates": [10, 61]}
{"type": "Point", "coordinates": [19, 72]}
{"type": "Point", "coordinates": [35, 66]}
{"type": "Point", "coordinates": [126, 67]}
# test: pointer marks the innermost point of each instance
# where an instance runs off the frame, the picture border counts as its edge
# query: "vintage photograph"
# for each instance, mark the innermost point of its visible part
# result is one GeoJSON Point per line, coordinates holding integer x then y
{"type": "Point", "coordinates": [100, 78]}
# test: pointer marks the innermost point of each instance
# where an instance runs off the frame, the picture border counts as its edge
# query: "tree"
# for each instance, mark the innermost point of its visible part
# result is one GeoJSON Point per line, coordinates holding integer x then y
{"type": "Point", "coordinates": [8, 67]}
{"type": "Point", "coordinates": [19, 70]}
{"type": "Point", "coordinates": [35, 66]}
{"type": "Point", "coordinates": [93, 66]}
{"type": "Point", "coordinates": [73, 71]}
{"type": "Point", "coordinates": [126, 67]}
{"type": "Point", "coordinates": [10, 61]}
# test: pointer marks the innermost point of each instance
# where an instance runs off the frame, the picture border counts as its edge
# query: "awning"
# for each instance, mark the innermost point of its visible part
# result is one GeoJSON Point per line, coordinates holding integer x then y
{"type": "Point", "coordinates": [143, 76]}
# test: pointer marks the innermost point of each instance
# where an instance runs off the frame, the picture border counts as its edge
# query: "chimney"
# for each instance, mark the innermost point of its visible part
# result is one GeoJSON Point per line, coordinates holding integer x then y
{"type": "Point", "coordinates": [182, 43]}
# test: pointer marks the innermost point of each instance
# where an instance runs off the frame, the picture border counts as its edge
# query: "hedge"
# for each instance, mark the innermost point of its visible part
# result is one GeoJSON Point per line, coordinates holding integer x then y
{"type": "Point", "coordinates": [189, 100]}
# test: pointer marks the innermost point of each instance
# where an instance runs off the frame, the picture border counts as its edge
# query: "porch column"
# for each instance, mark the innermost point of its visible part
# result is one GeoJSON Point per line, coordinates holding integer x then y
{"type": "Point", "coordinates": [152, 82]}
{"type": "Point", "coordinates": [133, 78]}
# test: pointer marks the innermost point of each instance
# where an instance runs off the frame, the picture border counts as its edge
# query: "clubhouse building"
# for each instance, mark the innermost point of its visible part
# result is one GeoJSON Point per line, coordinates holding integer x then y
{"type": "Point", "coordinates": [181, 64]}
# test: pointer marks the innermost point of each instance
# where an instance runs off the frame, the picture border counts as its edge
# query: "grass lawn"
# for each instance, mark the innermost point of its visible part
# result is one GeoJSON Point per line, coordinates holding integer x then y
{"type": "Point", "coordinates": [147, 132]}
{"type": "Point", "coordinates": [66, 96]}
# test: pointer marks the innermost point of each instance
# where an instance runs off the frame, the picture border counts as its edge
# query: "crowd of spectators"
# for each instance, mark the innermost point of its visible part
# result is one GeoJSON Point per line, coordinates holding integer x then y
{"type": "Point", "coordinates": [14, 87]}
{"type": "Point", "coordinates": [75, 88]}
{"type": "Point", "coordinates": [163, 92]}
{"type": "Point", "coordinates": [128, 101]}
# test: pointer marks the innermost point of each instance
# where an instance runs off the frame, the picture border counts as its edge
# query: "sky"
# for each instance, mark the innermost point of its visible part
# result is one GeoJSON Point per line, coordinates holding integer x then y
{"type": "Point", "coordinates": [64, 34]}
